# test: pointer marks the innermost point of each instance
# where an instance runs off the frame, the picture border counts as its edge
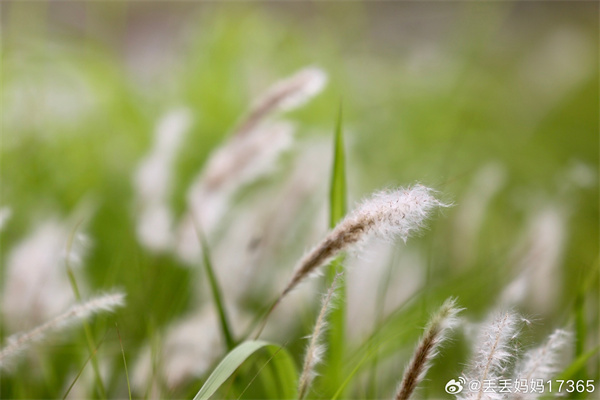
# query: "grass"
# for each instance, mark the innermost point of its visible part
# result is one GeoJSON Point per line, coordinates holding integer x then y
{"type": "Point", "coordinates": [473, 85]}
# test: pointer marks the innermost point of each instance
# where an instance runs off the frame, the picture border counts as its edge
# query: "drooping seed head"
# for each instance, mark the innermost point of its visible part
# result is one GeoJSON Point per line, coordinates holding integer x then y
{"type": "Point", "coordinates": [387, 215]}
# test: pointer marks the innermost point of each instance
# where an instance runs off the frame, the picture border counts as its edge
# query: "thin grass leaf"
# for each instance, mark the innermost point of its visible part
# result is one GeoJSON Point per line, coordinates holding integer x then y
{"type": "Point", "coordinates": [86, 327]}
{"type": "Point", "coordinates": [338, 190]}
{"type": "Point", "coordinates": [590, 281]}
{"type": "Point", "coordinates": [82, 368]}
{"type": "Point", "coordinates": [337, 211]}
{"type": "Point", "coordinates": [124, 361]}
{"type": "Point", "coordinates": [215, 289]}
{"type": "Point", "coordinates": [236, 357]}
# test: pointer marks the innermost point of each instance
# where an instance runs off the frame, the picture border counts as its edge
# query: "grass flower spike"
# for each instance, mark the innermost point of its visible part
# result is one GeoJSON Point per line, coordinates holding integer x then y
{"type": "Point", "coordinates": [315, 348]}
{"type": "Point", "coordinates": [250, 152]}
{"type": "Point", "coordinates": [543, 362]}
{"type": "Point", "coordinates": [285, 95]}
{"type": "Point", "coordinates": [436, 333]}
{"type": "Point", "coordinates": [387, 215]}
{"type": "Point", "coordinates": [19, 342]}
{"type": "Point", "coordinates": [493, 353]}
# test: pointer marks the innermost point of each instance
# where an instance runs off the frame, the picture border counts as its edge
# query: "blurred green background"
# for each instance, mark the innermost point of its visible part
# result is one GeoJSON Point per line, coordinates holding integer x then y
{"type": "Point", "coordinates": [493, 104]}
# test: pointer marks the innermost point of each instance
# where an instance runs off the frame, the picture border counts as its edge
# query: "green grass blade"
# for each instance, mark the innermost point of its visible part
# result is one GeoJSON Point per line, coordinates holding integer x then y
{"type": "Point", "coordinates": [287, 374]}
{"type": "Point", "coordinates": [241, 353]}
{"type": "Point", "coordinates": [338, 190]}
{"type": "Point", "coordinates": [124, 360]}
{"type": "Point", "coordinates": [337, 211]}
{"type": "Point", "coordinates": [589, 282]}
{"type": "Point", "coordinates": [81, 369]}
{"type": "Point", "coordinates": [215, 290]}
{"type": "Point", "coordinates": [86, 326]}
{"type": "Point", "coordinates": [278, 374]}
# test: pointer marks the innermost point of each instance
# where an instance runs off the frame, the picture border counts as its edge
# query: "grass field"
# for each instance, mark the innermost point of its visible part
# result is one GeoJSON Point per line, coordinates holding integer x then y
{"type": "Point", "coordinates": [192, 157]}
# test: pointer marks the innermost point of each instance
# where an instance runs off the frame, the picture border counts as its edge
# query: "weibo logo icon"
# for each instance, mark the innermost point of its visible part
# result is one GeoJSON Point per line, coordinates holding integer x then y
{"type": "Point", "coordinates": [455, 387]}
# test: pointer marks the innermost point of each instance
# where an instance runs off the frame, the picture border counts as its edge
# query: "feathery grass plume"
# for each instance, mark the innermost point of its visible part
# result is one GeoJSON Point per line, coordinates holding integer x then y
{"type": "Point", "coordinates": [386, 214]}
{"type": "Point", "coordinates": [240, 161]}
{"type": "Point", "coordinates": [20, 342]}
{"type": "Point", "coordinates": [315, 349]}
{"type": "Point", "coordinates": [436, 333]}
{"type": "Point", "coordinates": [544, 362]}
{"type": "Point", "coordinates": [249, 153]}
{"type": "Point", "coordinates": [493, 353]}
{"type": "Point", "coordinates": [285, 95]}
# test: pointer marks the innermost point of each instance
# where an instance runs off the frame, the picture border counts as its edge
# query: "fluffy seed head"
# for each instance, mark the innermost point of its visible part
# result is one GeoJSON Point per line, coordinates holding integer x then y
{"type": "Point", "coordinates": [20, 342]}
{"type": "Point", "coordinates": [493, 353]}
{"type": "Point", "coordinates": [428, 348]}
{"type": "Point", "coordinates": [544, 362]}
{"type": "Point", "coordinates": [315, 349]}
{"type": "Point", "coordinates": [285, 95]}
{"type": "Point", "coordinates": [387, 215]}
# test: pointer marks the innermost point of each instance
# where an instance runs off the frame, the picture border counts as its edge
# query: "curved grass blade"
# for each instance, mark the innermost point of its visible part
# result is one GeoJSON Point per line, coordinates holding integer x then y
{"type": "Point", "coordinates": [285, 368]}
{"type": "Point", "coordinates": [124, 360]}
{"type": "Point", "coordinates": [215, 289]}
{"type": "Point", "coordinates": [278, 373]}
{"type": "Point", "coordinates": [86, 326]}
{"type": "Point", "coordinates": [82, 368]}
{"type": "Point", "coordinates": [337, 211]}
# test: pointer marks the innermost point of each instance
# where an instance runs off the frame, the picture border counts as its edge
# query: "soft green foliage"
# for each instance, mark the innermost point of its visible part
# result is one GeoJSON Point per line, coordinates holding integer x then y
{"type": "Point", "coordinates": [495, 105]}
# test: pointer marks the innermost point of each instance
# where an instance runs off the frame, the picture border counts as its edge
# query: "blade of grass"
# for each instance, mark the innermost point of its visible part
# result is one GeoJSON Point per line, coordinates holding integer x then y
{"type": "Point", "coordinates": [337, 211]}
{"type": "Point", "coordinates": [86, 327]}
{"type": "Point", "coordinates": [124, 360]}
{"type": "Point", "coordinates": [231, 363]}
{"type": "Point", "coordinates": [82, 368]}
{"type": "Point", "coordinates": [215, 289]}
{"type": "Point", "coordinates": [588, 282]}
{"type": "Point", "coordinates": [338, 190]}
{"type": "Point", "coordinates": [284, 368]}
